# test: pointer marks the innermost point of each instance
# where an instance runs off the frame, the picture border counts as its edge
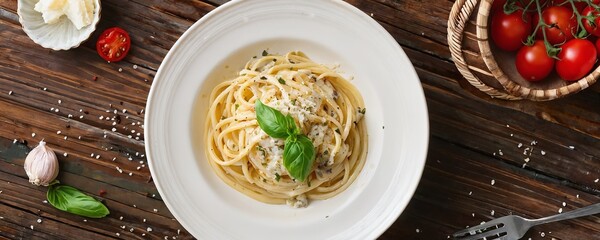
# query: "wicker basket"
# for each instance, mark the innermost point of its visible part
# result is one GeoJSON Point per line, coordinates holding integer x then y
{"type": "Point", "coordinates": [476, 59]}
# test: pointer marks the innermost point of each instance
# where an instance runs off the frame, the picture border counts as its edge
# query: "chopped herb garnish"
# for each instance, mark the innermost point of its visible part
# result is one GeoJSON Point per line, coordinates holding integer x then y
{"type": "Point", "coordinates": [293, 101]}
{"type": "Point", "coordinates": [237, 106]}
{"type": "Point", "coordinates": [337, 130]}
{"type": "Point", "coordinates": [362, 110]}
{"type": "Point", "coordinates": [264, 180]}
{"type": "Point", "coordinates": [263, 78]}
{"type": "Point", "coordinates": [280, 80]}
{"type": "Point", "coordinates": [265, 53]}
{"type": "Point", "coordinates": [308, 182]}
{"type": "Point", "coordinates": [259, 148]}
{"type": "Point", "coordinates": [277, 177]}
{"type": "Point", "coordinates": [223, 117]}
{"type": "Point", "coordinates": [243, 74]}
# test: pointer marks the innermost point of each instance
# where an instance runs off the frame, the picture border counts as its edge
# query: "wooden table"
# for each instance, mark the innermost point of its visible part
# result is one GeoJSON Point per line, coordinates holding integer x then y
{"type": "Point", "coordinates": [475, 169]}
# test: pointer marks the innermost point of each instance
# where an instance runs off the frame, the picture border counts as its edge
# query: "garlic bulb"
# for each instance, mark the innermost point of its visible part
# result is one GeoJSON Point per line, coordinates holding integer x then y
{"type": "Point", "coordinates": [41, 165]}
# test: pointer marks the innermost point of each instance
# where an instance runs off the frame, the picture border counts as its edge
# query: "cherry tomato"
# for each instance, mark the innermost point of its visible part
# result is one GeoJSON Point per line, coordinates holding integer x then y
{"type": "Point", "coordinates": [509, 31]}
{"type": "Point", "coordinates": [113, 44]}
{"type": "Point", "coordinates": [598, 47]}
{"type": "Point", "coordinates": [497, 5]}
{"type": "Point", "coordinates": [565, 3]}
{"type": "Point", "coordinates": [562, 21]}
{"type": "Point", "coordinates": [592, 28]}
{"type": "Point", "coordinates": [577, 58]}
{"type": "Point", "coordinates": [533, 63]}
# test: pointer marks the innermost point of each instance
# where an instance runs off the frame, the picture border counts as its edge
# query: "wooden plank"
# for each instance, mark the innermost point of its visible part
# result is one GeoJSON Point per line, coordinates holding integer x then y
{"type": "Point", "coordinates": [458, 183]}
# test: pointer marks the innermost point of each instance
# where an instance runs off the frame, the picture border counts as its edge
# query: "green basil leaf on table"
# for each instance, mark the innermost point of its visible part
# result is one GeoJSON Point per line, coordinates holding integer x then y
{"type": "Point", "coordinates": [71, 200]}
{"type": "Point", "coordinates": [298, 156]}
{"type": "Point", "coordinates": [273, 122]}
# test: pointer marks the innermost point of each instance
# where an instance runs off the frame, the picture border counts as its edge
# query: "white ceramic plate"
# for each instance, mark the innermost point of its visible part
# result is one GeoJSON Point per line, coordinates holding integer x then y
{"type": "Point", "coordinates": [328, 31]}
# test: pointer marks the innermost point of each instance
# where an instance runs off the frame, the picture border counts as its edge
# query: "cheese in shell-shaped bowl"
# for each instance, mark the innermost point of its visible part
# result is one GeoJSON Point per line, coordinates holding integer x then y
{"type": "Point", "coordinates": [52, 24]}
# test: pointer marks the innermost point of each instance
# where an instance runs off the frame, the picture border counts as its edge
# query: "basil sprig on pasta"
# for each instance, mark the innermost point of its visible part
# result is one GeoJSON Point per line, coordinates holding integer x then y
{"type": "Point", "coordinates": [299, 151]}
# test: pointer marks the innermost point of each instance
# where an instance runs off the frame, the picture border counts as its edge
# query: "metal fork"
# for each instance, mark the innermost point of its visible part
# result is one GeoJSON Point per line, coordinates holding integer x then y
{"type": "Point", "coordinates": [514, 227]}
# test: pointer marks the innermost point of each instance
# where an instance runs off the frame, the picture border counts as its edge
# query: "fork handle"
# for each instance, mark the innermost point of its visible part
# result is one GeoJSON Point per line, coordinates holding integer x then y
{"type": "Point", "coordinates": [584, 211]}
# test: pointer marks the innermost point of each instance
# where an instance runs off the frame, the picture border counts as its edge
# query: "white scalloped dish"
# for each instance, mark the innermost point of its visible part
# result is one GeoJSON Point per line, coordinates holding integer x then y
{"type": "Point", "coordinates": [329, 32]}
{"type": "Point", "coordinates": [61, 35]}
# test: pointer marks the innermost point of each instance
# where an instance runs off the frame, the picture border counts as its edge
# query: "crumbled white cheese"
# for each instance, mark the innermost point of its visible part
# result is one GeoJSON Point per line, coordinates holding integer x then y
{"type": "Point", "coordinates": [299, 201]}
{"type": "Point", "coordinates": [80, 12]}
{"type": "Point", "coordinates": [273, 149]}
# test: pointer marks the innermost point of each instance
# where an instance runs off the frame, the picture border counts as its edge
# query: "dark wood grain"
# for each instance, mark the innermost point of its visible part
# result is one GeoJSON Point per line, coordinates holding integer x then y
{"type": "Point", "coordinates": [474, 139]}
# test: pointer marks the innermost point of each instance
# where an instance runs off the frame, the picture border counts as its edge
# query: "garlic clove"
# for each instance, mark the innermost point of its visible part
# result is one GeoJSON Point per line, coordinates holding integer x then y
{"type": "Point", "coordinates": [41, 165]}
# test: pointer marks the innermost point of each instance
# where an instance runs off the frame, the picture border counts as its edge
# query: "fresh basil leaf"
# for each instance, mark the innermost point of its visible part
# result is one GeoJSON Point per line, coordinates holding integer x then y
{"type": "Point", "coordinates": [298, 156]}
{"type": "Point", "coordinates": [71, 200]}
{"type": "Point", "coordinates": [273, 122]}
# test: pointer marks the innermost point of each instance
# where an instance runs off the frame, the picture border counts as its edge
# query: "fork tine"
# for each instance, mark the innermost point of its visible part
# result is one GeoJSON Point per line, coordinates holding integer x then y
{"type": "Point", "coordinates": [488, 234]}
{"type": "Point", "coordinates": [505, 237]}
{"type": "Point", "coordinates": [489, 224]}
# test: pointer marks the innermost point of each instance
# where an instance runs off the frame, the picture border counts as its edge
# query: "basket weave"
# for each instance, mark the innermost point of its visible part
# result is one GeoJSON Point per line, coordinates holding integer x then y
{"type": "Point", "coordinates": [473, 56]}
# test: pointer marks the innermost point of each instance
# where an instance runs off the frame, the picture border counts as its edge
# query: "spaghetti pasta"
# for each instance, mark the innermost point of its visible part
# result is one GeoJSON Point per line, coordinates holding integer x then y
{"type": "Point", "coordinates": [326, 107]}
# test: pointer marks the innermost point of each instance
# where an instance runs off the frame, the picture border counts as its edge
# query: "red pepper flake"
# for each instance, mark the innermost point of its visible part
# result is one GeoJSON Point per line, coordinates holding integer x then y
{"type": "Point", "coordinates": [94, 78]}
{"type": "Point", "coordinates": [102, 192]}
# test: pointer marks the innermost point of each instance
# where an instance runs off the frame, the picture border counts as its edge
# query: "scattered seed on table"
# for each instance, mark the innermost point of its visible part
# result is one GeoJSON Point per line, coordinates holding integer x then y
{"type": "Point", "coordinates": [31, 227]}
{"type": "Point", "coordinates": [121, 218]}
{"type": "Point", "coordinates": [56, 110]}
{"type": "Point", "coordinates": [572, 147]}
{"type": "Point", "coordinates": [39, 220]}
{"type": "Point", "coordinates": [144, 220]}
{"type": "Point", "coordinates": [114, 129]}
{"type": "Point", "coordinates": [45, 89]}
{"type": "Point", "coordinates": [130, 174]}
{"type": "Point", "coordinates": [10, 92]}
{"type": "Point", "coordinates": [526, 159]}
{"type": "Point", "coordinates": [155, 210]}
{"type": "Point", "coordinates": [123, 227]}
{"type": "Point", "coordinates": [493, 182]}
{"type": "Point", "coordinates": [120, 69]}
{"type": "Point", "coordinates": [65, 154]}
{"type": "Point", "coordinates": [32, 134]}
{"type": "Point", "coordinates": [560, 210]}
{"type": "Point", "coordinates": [492, 212]}
{"type": "Point", "coordinates": [520, 145]}
{"type": "Point", "coordinates": [59, 101]}
{"type": "Point", "coordinates": [58, 132]}
{"type": "Point", "coordinates": [81, 117]}
{"type": "Point", "coordinates": [118, 234]}
{"type": "Point", "coordinates": [149, 229]}
{"type": "Point", "coordinates": [98, 156]}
